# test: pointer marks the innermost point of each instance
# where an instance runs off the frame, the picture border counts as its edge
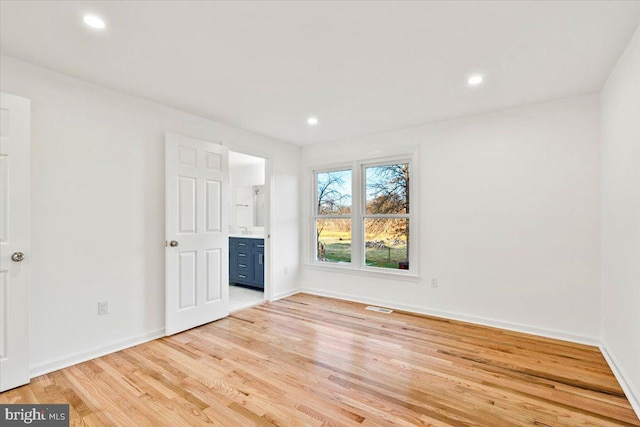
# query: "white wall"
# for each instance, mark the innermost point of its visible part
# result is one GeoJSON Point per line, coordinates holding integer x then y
{"type": "Point", "coordinates": [620, 195]}
{"type": "Point", "coordinates": [98, 211]}
{"type": "Point", "coordinates": [509, 219]}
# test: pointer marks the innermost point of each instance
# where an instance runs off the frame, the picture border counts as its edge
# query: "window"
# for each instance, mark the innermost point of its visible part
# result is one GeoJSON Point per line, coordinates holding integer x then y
{"type": "Point", "coordinates": [333, 216]}
{"type": "Point", "coordinates": [362, 216]}
{"type": "Point", "coordinates": [386, 215]}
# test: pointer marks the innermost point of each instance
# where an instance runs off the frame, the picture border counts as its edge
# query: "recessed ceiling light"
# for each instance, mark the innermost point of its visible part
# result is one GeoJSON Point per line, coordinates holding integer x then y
{"type": "Point", "coordinates": [312, 121]}
{"type": "Point", "coordinates": [475, 80]}
{"type": "Point", "coordinates": [94, 22]}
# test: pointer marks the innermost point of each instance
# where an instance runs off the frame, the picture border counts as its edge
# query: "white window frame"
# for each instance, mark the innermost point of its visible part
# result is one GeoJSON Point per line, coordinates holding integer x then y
{"type": "Point", "coordinates": [317, 216]}
{"type": "Point", "coordinates": [358, 215]}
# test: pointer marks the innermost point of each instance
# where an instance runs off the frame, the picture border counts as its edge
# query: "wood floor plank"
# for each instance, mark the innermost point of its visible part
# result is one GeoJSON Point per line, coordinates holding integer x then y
{"type": "Point", "coordinates": [314, 361]}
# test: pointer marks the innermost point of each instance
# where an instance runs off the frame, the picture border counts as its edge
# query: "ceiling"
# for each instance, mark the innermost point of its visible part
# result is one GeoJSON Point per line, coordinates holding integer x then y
{"type": "Point", "coordinates": [360, 67]}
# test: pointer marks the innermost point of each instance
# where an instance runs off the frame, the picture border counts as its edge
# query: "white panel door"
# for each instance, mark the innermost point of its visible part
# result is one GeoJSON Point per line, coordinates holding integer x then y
{"type": "Point", "coordinates": [197, 223]}
{"type": "Point", "coordinates": [15, 220]}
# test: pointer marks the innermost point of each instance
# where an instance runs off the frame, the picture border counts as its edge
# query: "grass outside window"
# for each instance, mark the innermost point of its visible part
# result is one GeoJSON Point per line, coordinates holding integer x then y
{"type": "Point", "coordinates": [361, 220]}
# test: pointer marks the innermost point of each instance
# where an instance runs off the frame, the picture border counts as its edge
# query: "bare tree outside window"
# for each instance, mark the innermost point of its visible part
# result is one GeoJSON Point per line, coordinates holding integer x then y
{"type": "Point", "coordinates": [333, 216]}
{"type": "Point", "coordinates": [382, 218]}
{"type": "Point", "coordinates": [387, 215]}
{"type": "Point", "coordinates": [332, 196]}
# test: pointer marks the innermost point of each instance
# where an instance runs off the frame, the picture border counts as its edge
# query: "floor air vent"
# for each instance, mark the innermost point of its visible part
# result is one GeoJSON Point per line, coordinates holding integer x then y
{"type": "Point", "coordinates": [378, 309]}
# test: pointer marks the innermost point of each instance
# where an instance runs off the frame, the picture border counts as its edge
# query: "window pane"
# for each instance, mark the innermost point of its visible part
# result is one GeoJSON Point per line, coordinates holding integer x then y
{"type": "Point", "coordinates": [386, 243]}
{"type": "Point", "coordinates": [387, 189]}
{"type": "Point", "coordinates": [334, 193]}
{"type": "Point", "coordinates": [333, 240]}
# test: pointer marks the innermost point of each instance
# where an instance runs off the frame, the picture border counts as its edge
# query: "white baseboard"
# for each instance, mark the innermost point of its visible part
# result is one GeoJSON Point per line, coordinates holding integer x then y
{"type": "Point", "coordinates": [632, 394]}
{"type": "Point", "coordinates": [285, 294]}
{"type": "Point", "coordinates": [629, 390]}
{"type": "Point", "coordinates": [548, 333]}
{"type": "Point", "coordinates": [45, 368]}
{"type": "Point", "coordinates": [55, 365]}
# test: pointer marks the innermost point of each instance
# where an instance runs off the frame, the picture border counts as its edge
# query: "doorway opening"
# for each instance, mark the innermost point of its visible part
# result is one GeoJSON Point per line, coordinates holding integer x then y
{"type": "Point", "coordinates": [248, 224]}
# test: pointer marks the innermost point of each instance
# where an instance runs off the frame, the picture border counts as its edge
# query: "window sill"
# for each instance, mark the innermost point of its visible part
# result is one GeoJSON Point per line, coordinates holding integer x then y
{"type": "Point", "coordinates": [363, 271]}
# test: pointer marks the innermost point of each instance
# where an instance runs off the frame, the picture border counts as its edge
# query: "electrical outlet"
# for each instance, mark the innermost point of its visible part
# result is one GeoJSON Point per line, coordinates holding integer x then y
{"type": "Point", "coordinates": [286, 271]}
{"type": "Point", "coordinates": [103, 308]}
{"type": "Point", "coordinates": [434, 282]}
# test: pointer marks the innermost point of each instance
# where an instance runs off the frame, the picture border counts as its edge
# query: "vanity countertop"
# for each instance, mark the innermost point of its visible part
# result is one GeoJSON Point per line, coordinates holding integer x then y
{"type": "Point", "coordinates": [247, 236]}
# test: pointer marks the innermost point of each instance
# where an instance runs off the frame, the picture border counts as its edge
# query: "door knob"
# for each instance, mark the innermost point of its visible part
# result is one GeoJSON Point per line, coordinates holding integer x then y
{"type": "Point", "coordinates": [173, 243]}
{"type": "Point", "coordinates": [17, 256]}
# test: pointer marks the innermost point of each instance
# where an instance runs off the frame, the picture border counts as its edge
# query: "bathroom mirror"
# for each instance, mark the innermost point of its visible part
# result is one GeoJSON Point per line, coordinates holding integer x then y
{"type": "Point", "coordinates": [250, 210]}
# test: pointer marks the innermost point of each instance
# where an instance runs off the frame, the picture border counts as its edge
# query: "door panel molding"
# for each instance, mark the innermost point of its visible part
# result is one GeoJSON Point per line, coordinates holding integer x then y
{"type": "Point", "coordinates": [15, 238]}
{"type": "Point", "coordinates": [197, 218]}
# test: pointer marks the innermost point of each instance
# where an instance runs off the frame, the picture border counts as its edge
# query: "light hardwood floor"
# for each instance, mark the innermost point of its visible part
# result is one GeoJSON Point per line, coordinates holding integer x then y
{"type": "Point", "coordinates": [312, 361]}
